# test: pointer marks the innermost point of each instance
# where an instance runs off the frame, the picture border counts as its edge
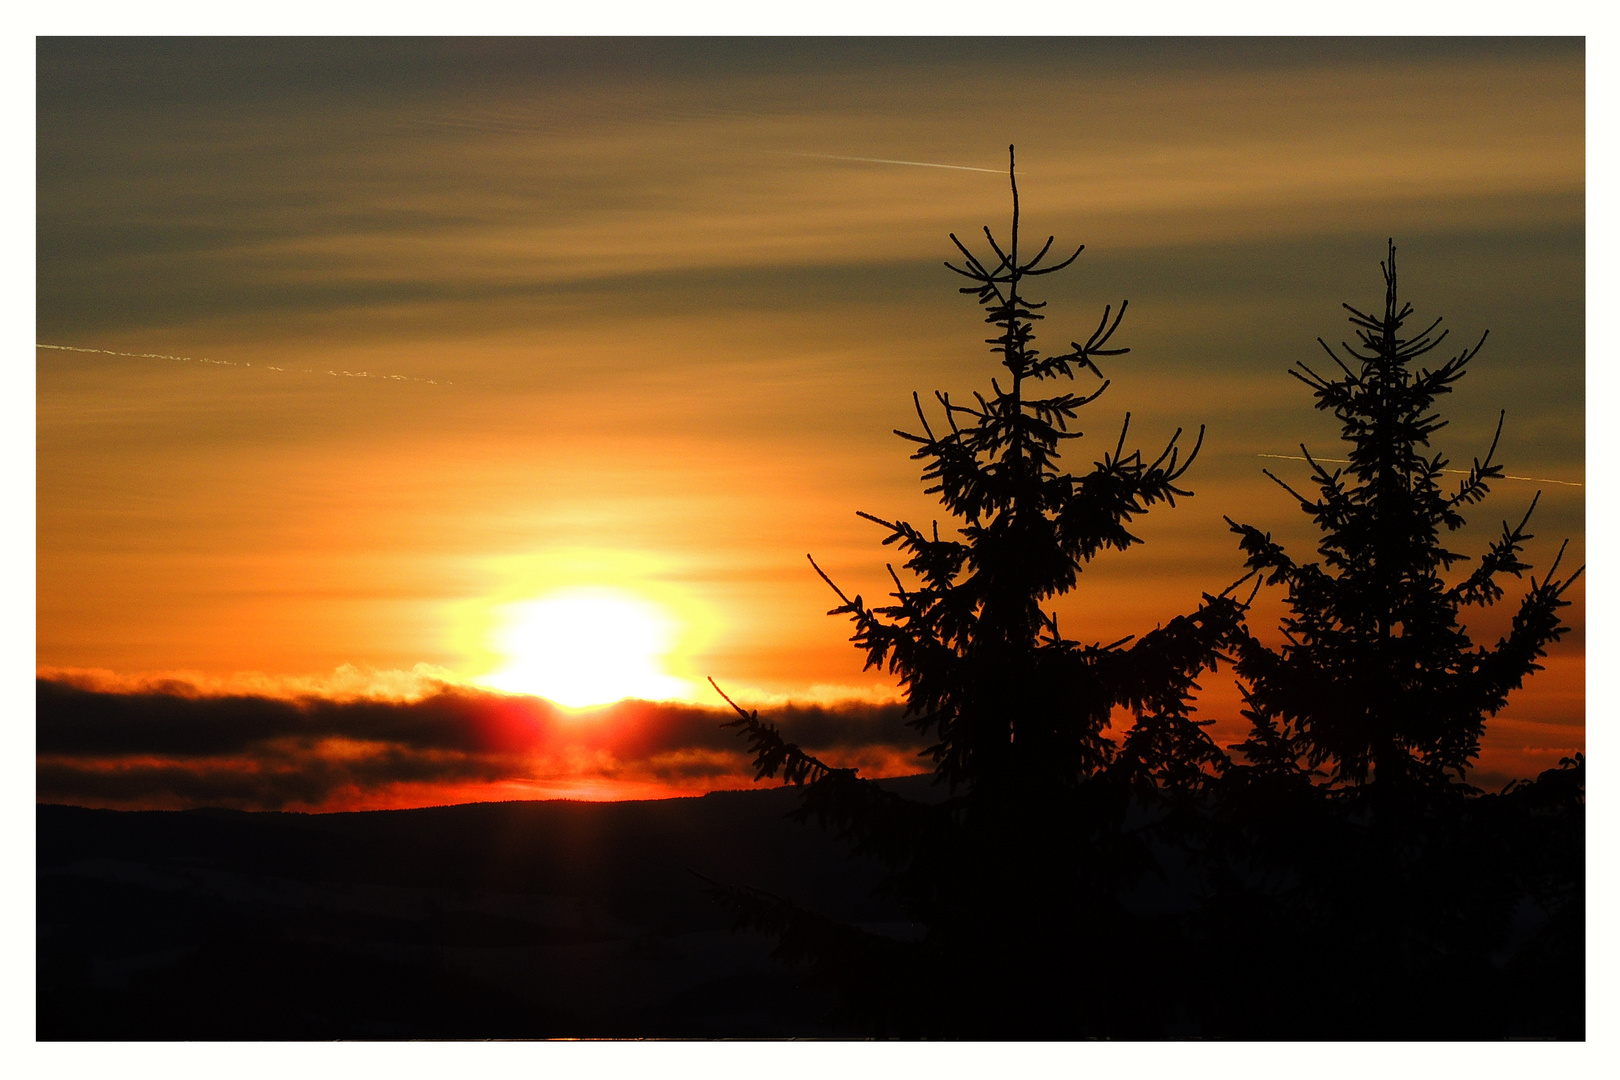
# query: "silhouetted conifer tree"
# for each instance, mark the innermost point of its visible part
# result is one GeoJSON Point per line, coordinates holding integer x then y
{"type": "Point", "coordinates": [1351, 888]}
{"type": "Point", "coordinates": [1378, 679]}
{"type": "Point", "coordinates": [1348, 889]}
{"type": "Point", "coordinates": [1018, 875]}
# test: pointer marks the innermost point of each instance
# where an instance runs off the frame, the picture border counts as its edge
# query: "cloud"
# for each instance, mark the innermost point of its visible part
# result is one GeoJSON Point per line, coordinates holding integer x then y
{"type": "Point", "coordinates": [169, 745]}
{"type": "Point", "coordinates": [346, 682]}
{"type": "Point", "coordinates": [450, 193]}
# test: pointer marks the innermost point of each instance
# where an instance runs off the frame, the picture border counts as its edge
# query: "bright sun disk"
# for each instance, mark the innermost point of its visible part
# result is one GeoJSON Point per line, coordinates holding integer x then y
{"type": "Point", "coordinates": [585, 647]}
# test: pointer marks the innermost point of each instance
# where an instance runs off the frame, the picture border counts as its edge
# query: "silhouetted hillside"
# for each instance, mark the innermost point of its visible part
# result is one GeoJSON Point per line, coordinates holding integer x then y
{"type": "Point", "coordinates": [492, 920]}
{"type": "Point", "coordinates": [537, 919]}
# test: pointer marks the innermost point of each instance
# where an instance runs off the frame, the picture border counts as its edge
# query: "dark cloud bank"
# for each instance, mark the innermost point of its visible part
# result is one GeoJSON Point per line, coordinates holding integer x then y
{"type": "Point", "coordinates": [172, 748]}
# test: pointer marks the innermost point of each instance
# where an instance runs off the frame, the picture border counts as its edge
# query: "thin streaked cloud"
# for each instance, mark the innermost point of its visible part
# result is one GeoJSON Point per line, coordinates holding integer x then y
{"type": "Point", "coordinates": [233, 363]}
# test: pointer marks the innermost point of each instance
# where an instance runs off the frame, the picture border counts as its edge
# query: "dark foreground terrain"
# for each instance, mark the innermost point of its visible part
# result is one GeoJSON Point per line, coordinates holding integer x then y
{"type": "Point", "coordinates": [495, 920]}
{"type": "Point", "coordinates": [568, 919]}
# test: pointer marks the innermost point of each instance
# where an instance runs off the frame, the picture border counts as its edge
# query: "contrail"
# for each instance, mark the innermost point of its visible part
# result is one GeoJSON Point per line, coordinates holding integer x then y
{"type": "Point", "coordinates": [233, 363]}
{"type": "Point", "coordinates": [145, 355]}
{"type": "Point", "coordinates": [511, 125]}
{"type": "Point", "coordinates": [891, 161]}
{"type": "Point", "coordinates": [1462, 472]}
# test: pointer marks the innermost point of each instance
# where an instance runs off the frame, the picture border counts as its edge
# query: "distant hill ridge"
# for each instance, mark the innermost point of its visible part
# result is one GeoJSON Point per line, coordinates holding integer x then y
{"type": "Point", "coordinates": [481, 920]}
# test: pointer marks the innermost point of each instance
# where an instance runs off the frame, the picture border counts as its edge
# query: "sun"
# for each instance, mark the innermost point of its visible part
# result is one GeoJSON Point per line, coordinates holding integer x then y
{"type": "Point", "coordinates": [585, 646]}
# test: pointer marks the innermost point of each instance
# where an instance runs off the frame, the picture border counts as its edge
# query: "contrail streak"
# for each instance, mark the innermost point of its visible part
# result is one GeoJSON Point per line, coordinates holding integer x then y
{"type": "Point", "coordinates": [518, 126]}
{"type": "Point", "coordinates": [233, 363]}
{"type": "Point", "coordinates": [892, 161]}
{"type": "Point", "coordinates": [1461, 472]}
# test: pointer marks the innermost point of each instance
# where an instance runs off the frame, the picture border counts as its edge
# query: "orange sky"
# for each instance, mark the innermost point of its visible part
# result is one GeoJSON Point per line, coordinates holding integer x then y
{"type": "Point", "coordinates": [652, 329]}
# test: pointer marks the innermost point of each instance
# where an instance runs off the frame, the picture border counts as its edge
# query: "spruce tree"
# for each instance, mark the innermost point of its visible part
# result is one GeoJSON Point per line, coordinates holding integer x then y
{"type": "Point", "coordinates": [1377, 679]}
{"type": "Point", "coordinates": [1348, 844]}
{"type": "Point", "coordinates": [1018, 872]}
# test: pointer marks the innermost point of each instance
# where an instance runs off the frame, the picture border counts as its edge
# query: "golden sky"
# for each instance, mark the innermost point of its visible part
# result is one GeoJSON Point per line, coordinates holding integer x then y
{"type": "Point", "coordinates": [443, 327]}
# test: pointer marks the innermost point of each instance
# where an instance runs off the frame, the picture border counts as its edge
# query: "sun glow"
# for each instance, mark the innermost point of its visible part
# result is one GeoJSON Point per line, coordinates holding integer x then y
{"type": "Point", "coordinates": [585, 646]}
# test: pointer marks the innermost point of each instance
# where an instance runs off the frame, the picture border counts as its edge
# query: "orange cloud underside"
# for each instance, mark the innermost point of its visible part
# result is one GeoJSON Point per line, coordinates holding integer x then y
{"type": "Point", "coordinates": [367, 741]}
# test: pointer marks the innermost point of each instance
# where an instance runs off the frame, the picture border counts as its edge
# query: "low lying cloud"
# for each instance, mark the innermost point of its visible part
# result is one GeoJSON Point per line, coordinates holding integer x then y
{"type": "Point", "coordinates": [346, 682]}
{"type": "Point", "coordinates": [362, 740]}
{"type": "Point", "coordinates": [170, 743]}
